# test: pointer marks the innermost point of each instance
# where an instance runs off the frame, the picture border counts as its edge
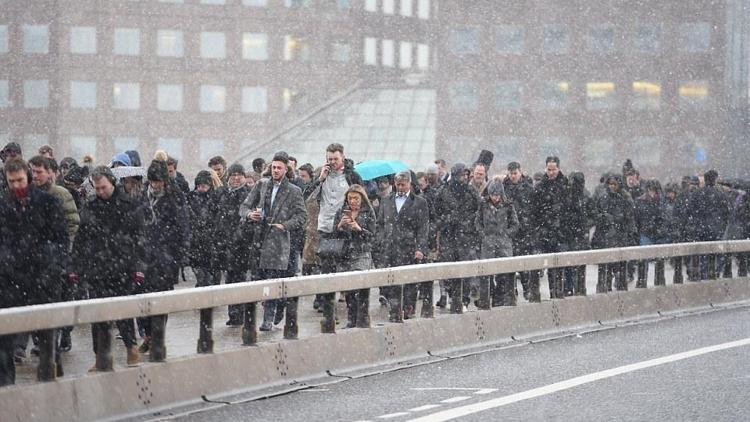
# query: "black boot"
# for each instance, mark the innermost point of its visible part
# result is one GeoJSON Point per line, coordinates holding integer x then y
{"type": "Point", "coordinates": [65, 341]}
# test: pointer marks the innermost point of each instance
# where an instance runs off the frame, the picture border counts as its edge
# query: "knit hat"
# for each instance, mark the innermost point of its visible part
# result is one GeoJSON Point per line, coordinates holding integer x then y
{"type": "Point", "coordinates": [121, 158]}
{"type": "Point", "coordinates": [235, 169]}
{"type": "Point", "coordinates": [12, 147]}
{"type": "Point", "coordinates": [458, 169]}
{"type": "Point", "coordinates": [495, 187]}
{"type": "Point", "coordinates": [76, 175]}
{"type": "Point", "coordinates": [203, 178]}
{"type": "Point", "coordinates": [157, 171]}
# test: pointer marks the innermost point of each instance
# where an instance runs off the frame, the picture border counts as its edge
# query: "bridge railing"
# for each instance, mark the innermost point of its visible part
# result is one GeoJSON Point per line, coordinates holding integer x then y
{"type": "Point", "coordinates": [45, 318]}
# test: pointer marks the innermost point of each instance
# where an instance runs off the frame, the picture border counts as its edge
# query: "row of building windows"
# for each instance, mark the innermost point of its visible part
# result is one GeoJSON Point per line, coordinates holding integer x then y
{"type": "Point", "coordinates": [406, 7]}
{"type": "Point", "coordinates": [600, 95]}
{"type": "Point", "coordinates": [694, 37]}
{"type": "Point", "coordinates": [169, 97]}
{"type": "Point", "coordinates": [388, 7]}
{"type": "Point", "coordinates": [255, 45]}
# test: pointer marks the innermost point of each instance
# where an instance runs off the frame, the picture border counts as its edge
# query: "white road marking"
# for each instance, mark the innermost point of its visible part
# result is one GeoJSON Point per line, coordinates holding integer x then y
{"type": "Point", "coordinates": [425, 407]}
{"type": "Point", "coordinates": [455, 399]}
{"type": "Point", "coordinates": [479, 390]}
{"type": "Point", "coordinates": [469, 409]}
{"type": "Point", "coordinates": [393, 415]}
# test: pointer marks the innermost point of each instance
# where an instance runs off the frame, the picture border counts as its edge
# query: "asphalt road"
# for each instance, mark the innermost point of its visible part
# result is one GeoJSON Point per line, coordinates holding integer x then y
{"type": "Point", "coordinates": [689, 368]}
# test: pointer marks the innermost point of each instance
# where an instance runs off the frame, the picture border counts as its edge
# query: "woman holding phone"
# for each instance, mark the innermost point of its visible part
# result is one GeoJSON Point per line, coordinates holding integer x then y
{"type": "Point", "coordinates": [355, 224]}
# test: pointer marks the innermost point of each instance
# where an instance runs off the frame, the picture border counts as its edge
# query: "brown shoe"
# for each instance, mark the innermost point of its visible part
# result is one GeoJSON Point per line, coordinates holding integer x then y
{"type": "Point", "coordinates": [134, 357]}
{"type": "Point", "coordinates": [146, 345]}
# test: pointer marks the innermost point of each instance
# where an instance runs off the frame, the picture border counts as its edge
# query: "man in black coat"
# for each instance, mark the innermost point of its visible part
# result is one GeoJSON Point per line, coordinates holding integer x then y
{"type": "Point", "coordinates": [549, 205]}
{"type": "Point", "coordinates": [108, 252]}
{"type": "Point", "coordinates": [456, 208]}
{"type": "Point", "coordinates": [203, 253]}
{"type": "Point", "coordinates": [176, 176]}
{"type": "Point", "coordinates": [708, 214]}
{"type": "Point", "coordinates": [34, 245]}
{"type": "Point", "coordinates": [519, 189]}
{"type": "Point", "coordinates": [402, 230]}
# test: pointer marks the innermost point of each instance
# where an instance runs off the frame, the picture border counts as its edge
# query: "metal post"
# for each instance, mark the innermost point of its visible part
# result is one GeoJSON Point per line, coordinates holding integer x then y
{"type": "Point", "coordinates": [659, 278]}
{"type": "Point", "coordinates": [727, 270]}
{"type": "Point", "coordinates": [46, 371]}
{"type": "Point", "coordinates": [642, 282]}
{"type": "Point", "coordinates": [485, 293]}
{"type": "Point", "coordinates": [457, 295]}
{"type": "Point", "coordinates": [428, 305]}
{"type": "Point", "coordinates": [328, 324]}
{"type": "Point", "coordinates": [677, 277]}
{"type": "Point", "coordinates": [103, 338]}
{"type": "Point", "coordinates": [363, 308]}
{"type": "Point", "coordinates": [205, 336]}
{"type": "Point", "coordinates": [396, 304]}
{"type": "Point", "coordinates": [158, 348]}
{"type": "Point", "coordinates": [622, 276]}
{"type": "Point", "coordinates": [249, 325]}
{"type": "Point", "coordinates": [291, 326]}
{"type": "Point", "coordinates": [711, 262]}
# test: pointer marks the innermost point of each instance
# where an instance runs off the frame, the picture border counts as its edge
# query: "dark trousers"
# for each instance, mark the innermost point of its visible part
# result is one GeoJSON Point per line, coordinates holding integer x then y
{"type": "Point", "coordinates": [207, 277]}
{"type": "Point", "coordinates": [459, 288]}
{"type": "Point", "coordinates": [554, 275]}
{"type": "Point", "coordinates": [235, 311]}
{"type": "Point", "coordinates": [606, 272]}
{"type": "Point", "coordinates": [269, 306]}
{"type": "Point", "coordinates": [7, 364]}
{"type": "Point", "coordinates": [126, 327]}
{"type": "Point", "coordinates": [503, 289]}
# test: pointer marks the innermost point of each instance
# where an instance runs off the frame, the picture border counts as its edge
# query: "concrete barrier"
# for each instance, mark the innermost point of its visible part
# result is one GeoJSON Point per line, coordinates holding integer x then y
{"type": "Point", "coordinates": [154, 387]}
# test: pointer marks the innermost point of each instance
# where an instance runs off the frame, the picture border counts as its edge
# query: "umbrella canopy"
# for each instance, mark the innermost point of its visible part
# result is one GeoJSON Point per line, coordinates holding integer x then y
{"type": "Point", "coordinates": [127, 171]}
{"type": "Point", "coordinates": [373, 169]}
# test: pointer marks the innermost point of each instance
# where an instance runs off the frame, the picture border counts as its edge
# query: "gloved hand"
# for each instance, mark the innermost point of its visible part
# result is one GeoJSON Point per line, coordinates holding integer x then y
{"type": "Point", "coordinates": [73, 278]}
{"type": "Point", "coordinates": [138, 278]}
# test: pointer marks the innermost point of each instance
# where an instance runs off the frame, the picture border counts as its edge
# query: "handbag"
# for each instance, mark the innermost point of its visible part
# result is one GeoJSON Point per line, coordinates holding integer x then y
{"type": "Point", "coordinates": [329, 247]}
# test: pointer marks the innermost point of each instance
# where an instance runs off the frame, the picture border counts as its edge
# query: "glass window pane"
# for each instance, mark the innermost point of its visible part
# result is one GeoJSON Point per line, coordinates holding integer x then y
{"type": "Point", "coordinates": [463, 96]}
{"type": "Point", "coordinates": [36, 93]}
{"type": "Point", "coordinates": [389, 7]}
{"type": "Point", "coordinates": [210, 148]}
{"type": "Point", "coordinates": [509, 39]}
{"type": "Point", "coordinates": [172, 146]}
{"type": "Point", "coordinates": [388, 52]}
{"type": "Point", "coordinates": [693, 94]}
{"type": "Point", "coordinates": [341, 52]}
{"type": "Point", "coordinates": [126, 96]}
{"type": "Point", "coordinates": [646, 150]}
{"type": "Point", "coordinates": [343, 4]}
{"type": "Point", "coordinates": [646, 95]}
{"type": "Point", "coordinates": [127, 41]}
{"type": "Point", "coordinates": [695, 37]}
{"type": "Point", "coordinates": [213, 1]}
{"type": "Point", "coordinates": [3, 39]}
{"type": "Point", "coordinates": [169, 43]}
{"type": "Point", "coordinates": [464, 40]}
{"type": "Point", "coordinates": [600, 95]}
{"type": "Point", "coordinates": [36, 39]}
{"type": "Point", "coordinates": [554, 146]}
{"type": "Point", "coordinates": [254, 46]}
{"type": "Point", "coordinates": [554, 95]}
{"type": "Point", "coordinates": [212, 98]}
{"type": "Point", "coordinates": [297, 3]}
{"type": "Point", "coordinates": [125, 143]}
{"type": "Point", "coordinates": [601, 39]}
{"type": "Point", "coordinates": [169, 97]}
{"type": "Point", "coordinates": [213, 45]}
{"type": "Point", "coordinates": [255, 3]}
{"type": "Point", "coordinates": [83, 40]}
{"type": "Point", "coordinates": [82, 145]}
{"type": "Point", "coordinates": [423, 56]}
{"type": "Point", "coordinates": [371, 48]}
{"type": "Point", "coordinates": [406, 7]}
{"type": "Point", "coordinates": [404, 55]}
{"type": "Point", "coordinates": [556, 39]}
{"type": "Point", "coordinates": [647, 38]}
{"type": "Point", "coordinates": [82, 94]}
{"type": "Point", "coordinates": [254, 99]}
{"type": "Point", "coordinates": [296, 48]}
{"type": "Point", "coordinates": [423, 9]}
{"type": "Point", "coordinates": [597, 153]}
{"type": "Point", "coordinates": [371, 5]}
{"type": "Point", "coordinates": [508, 95]}
{"type": "Point", "coordinates": [4, 94]}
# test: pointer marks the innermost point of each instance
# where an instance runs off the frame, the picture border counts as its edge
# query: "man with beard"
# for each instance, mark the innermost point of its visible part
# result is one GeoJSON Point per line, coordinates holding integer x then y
{"type": "Point", "coordinates": [456, 207]}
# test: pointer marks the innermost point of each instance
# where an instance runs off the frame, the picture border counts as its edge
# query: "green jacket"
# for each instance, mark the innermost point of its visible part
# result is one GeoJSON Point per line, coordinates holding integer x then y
{"type": "Point", "coordinates": [72, 219]}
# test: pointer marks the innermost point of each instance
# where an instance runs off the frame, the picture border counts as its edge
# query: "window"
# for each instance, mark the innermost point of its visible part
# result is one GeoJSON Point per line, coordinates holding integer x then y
{"type": "Point", "coordinates": [254, 99]}
{"type": "Point", "coordinates": [508, 95]}
{"type": "Point", "coordinates": [556, 39]}
{"type": "Point", "coordinates": [170, 1]}
{"type": "Point", "coordinates": [213, 2]}
{"type": "Point", "coordinates": [597, 153]}
{"type": "Point", "coordinates": [126, 96]}
{"type": "Point", "coordinates": [387, 53]}
{"type": "Point", "coordinates": [423, 56]}
{"type": "Point", "coordinates": [173, 147]}
{"type": "Point", "coordinates": [647, 38]}
{"type": "Point", "coordinates": [169, 97]}
{"type": "Point", "coordinates": [125, 143]}
{"type": "Point", "coordinates": [463, 96]}
{"type": "Point", "coordinates": [82, 145]}
{"type": "Point", "coordinates": [4, 94]}
{"type": "Point", "coordinates": [371, 5]}
{"type": "Point", "coordinates": [406, 8]}
{"type": "Point", "coordinates": [211, 148]}
{"type": "Point", "coordinates": [254, 46]}
{"type": "Point", "coordinates": [3, 39]}
{"type": "Point", "coordinates": [554, 95]}
{"type": "Point", "coordinates": [464, 40]}
{"type": "Point", "coordinates": [169, 43]}
{"type": "Point", "coordinates": [695, 37]}
{"type": "Point", "coordinates": [255, 3]}
{"type": "Point", "coordinates": [389, 7]}
{"type": "Point", "coordinates": [509, 39]}
{"type": "Point", "coordinates": [293, 99]}
{"type": "Point", "coordinates": [555, 146]}
{"type": "Point", "coordinates": [343, 4]}
{"type": "Point", "coordinates": [82, 94]}
{"type": "Point", "coordinates": [36, 39]}
{"type": "Point", "coordinates": [36, 93]}
{"type": "Point", "coordinates": [341, 52]}
{"type": "Point", "coordinates": [83, 40]}
{"type": "Point", "coordinates": [693, 94]}
{"type": "Point", "coordinates": [127, 41]}
{"type": "Point", "coordinates": [508, 148]}
{"type": "Point", "coordinates": [297, 3]}
{"type": "Point", "coordinates": [296, 48]}
{"type": "Point", "coordinates": [600, 95]}
{"type": "Point", "coordinates": [212, 98]}
{"type": "Point", "coordinates": [601, 39]}
{"type": "Point", "coordinates": [646, 95]}
{"type": "Point", "coordinates": [404, 55]}
{"type": "Point", "coordinates": [423, 9]}
{"type": "Point", "coordinates": [213, 45]}
{"type": "Point", "coordinates": [371, 54]}
{"type": "Point", "coordinates": [646, 150]}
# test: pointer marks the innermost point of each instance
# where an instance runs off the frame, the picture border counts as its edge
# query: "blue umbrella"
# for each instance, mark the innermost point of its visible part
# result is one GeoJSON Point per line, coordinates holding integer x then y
{"type": "Point", "coordinates": [373, 169]}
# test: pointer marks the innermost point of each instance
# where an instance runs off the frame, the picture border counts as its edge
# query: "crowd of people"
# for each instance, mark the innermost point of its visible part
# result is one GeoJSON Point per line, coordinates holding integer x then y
{"type": "Point", "coordinates": [70, 231]}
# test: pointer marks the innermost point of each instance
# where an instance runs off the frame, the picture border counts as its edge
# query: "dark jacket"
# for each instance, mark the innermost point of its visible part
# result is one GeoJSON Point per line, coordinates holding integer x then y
{"type": "Point", "coordinates": [738, 227]}
{"type": "Point", "coordinates": [520, 195]}
{"type": "Point", "coordinates": [496, 224]}
{"type": "Point", "coordinates": [615, 223]}
{"type": "Point", "coordinates": [708, 213]}
{"type": "Point", "coordinates": [549, 205]}
{"type": "Point", "coordinates": [401, 234]}
{"type": "Point", "coordinates": [456, 207]}
{"type": "Point", "coordinates": [34, 249]}
{"type": "Point", "coordinates": [650, 218]}
{"type": "Point", "coordinates": [580, 215]}
{"type": "Point", "coordinates": [109, 245]}
{"type": "Point", "coordinates": [357, 242]}
{"type": "Point", "coordinates": [167, 239]}
{"type": "Point", "coordinates": [430, 194]}
{"type": "Point", "coordinates": [204, 222]}
{"type": "Point", "coordinates": [232, 244]}
{"type": "Point", "coordinates": [182, 183]}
